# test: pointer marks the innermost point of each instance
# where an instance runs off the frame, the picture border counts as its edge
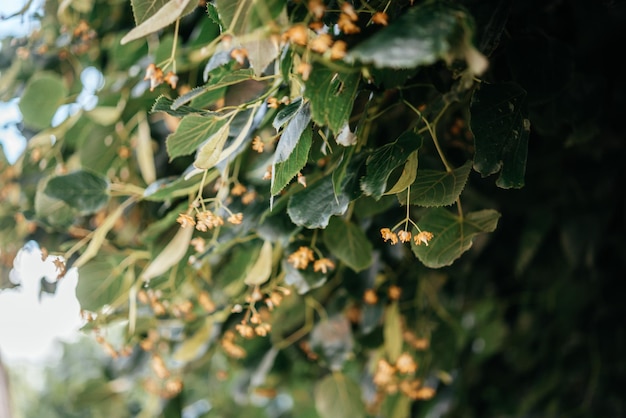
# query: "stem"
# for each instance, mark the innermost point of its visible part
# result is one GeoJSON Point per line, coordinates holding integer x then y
{"type": "Point", "coordinates": [433, 133]}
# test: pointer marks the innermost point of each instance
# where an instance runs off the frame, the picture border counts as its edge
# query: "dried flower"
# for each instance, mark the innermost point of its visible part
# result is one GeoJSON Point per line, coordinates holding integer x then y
{"type": "Point", "coordinates": [405, 364]}
{"type": "Point", "coordinates": [370, 297]}
{"type": "Point", "coordinates": [239, 55]}
{"type": "Point", "coordinates": [317, 8]}
{"type": "Point", "coordinates": [208, 220]}
{"type": "Point", "coordinates": [338, 50]}
{"type": "Point", "coordinates": [346, 25]}
{"type": "Point", "coordinates": [185, 220]}
{"type": "Point", "coordinates": [380, 18]}
{"type": "Point", "coordinates": [155, 75]}
{"type": "Point", "coordinates": [348, 10]}
{"type": "Point", "coordinates": [302, 179]}
{"type": "Point", "coordinates": [245, 330]}
{"type": "Point", "coordinates": [158, 366]}
{"type": "Point", "coordinates": [388, 235]}
{"type": "Point", "coordinates": [263, 329]}
{"type": "Point", "coordinates": [257, 144]}
{"type": "Point", "coordinates": [423, 237]}
{"type": "Point", "coordinates": [248, 198]}
{"type": "Point", "coordinates": [384, 373]}
{"type": "Point", "coordinates": [272, 103]}
{"type": "Point", "coordinates": [268, 173]}
{"type": "Point", "coordinates": [394, 292]}
{"type": "Point", "coordinates": [323, 265]}
{"type": "Point", "coordinates": [297, 34]}
{"type": "Point", "coordinates": [424, 393]}
{"type": "Point", "coordinates": [198, 244]}
{"type": "Point", "coordinates": [171, 78]}
{"type": "Point", "coordinates": [300, 259]}
{"type": "Point", "coordinates": [304, 68]}
{"type": "Point", "coordinates": [235, 218]}
{"type": "Point", "coordinates": [404, 236]}
{"type": "Point", "coordinates": [321, 43]}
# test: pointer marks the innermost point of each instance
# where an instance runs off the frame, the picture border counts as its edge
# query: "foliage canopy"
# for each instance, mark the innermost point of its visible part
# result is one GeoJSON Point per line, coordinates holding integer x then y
{"type": "Point", "coordinates": [318, 208]}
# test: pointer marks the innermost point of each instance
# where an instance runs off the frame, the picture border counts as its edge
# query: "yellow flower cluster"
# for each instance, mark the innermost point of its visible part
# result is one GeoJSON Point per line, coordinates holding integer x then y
{"type": "Point", "coordinates": [156, 77]}
{"type": "Point", "coordinates": [391, 378]}
{"type": "Point", "coordinates": [301, 258]}
{"type": "Point", "coordinates": [422, 237]}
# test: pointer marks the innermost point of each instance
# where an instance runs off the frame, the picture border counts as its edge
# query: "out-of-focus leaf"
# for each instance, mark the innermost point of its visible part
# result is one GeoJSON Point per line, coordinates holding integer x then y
{"type": "Point", "coordinates": [348, 243]}
{"type": "Point", "coordinates": [386, 159]}
{"type": "Point", "coordinates": [302, 280]}
{"type": "Point", "coordinates": [173, 252]}
{"type": "Point", "coordinates": [285, 114]}
{"type": "Point", "coordinates": [285, 171]}
{"type": "Point", "coordinates": [209, 152]}
{"type": "Point", "coordinates": [338, 396]}
{"type": "Point", "coordinates": [154, 15]}
{"type": "Point", "coordinates": [42, 96]}
{"type": "Point", "coordinates": [313, 206]}
{"type": "Point", "coordinates": [144, 152]}
{"type": "Point", "coordinates": [196, 345]}
{"type": "Point", "coordinates": [164, 104]}
{"type": "Point", "coordinates": [397, 405]}
{"type": "Point", "coordinates": [170, 188]}
{"type": "Point", "coordinates": [192, 131]}
{"type": "Point", "coordinates": [100, 282]}
{"type": "Point", "coordinates": [437, 188]}
{"type": "Point", "coordinates": [501, 132]}
{"type": "Point", "coordinates": [262, 267]}
{"type": "Point", "coordinates": [261, 52]}
{"type": "Point", "coordinates": [452, 235]}
{"type": "Point", "coordinates": [426, 33]}
{"type": "Point", "coordinates": [82, 190]}
{"type": "Point", "coordinates": [331, 95]}
{"type": "Point", "coordinates": [333, 337]}
{"type": "Point", "coordinates": [244, 16]}
{"type": "Point", "coordinates": [392, 330]}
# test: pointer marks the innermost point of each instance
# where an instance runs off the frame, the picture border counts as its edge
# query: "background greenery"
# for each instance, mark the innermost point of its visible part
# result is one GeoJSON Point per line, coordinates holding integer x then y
{"type": "Point", "coordinates": [527, 322]}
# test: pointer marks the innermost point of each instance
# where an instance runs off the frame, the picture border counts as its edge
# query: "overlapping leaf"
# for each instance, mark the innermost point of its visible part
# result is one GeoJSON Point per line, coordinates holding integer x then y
{"type": "Point", "coordinates": [192, 131]}
{"type": "Point", "coordinates": [437, 188]}
{"type": "Point", "coordinates": [348, 243]}
{"type": "Point", "coordinates": [501, 132]}
{"type": "Point", "coordinates": [42, 96]}
{"type": "Point", "coordinates": [452, 235]}
{"type": "Point", "coordinates": [313, 206]}
{"type": "Point", "coordinates": [82, 190]}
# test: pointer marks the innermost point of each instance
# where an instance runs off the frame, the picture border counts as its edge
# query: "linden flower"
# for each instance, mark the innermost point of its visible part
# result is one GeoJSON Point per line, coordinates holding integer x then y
{"type": "Point", "coordinates": [304, 68]}
{"type": "Point", "coordinates": [208, 220]}
{"type": "Point", "coordinates": [349, 11]}
{"type": "Point", "coordinates": [384, 373]}
{"type": "Point", "coordinates": [238, 189]}
{"type": "Point", "coordinates": [317, 8]}
{"type": "Point", "coordinates": [185, 220]}
{"type": "Point", "coordinates": [257, 144]}
{"type": "Point", "coordinates": [321, 43]}
{"type": "Point", "coordinates": [380, 18]}
{"type": "Point", "coordinates": [236, 218]}
{"type": "Point", "coordinates": [300, 259]}
{"type": "Point", "coordinates": [404, 236]}
{"type": "Point", "coordinates": [406, 364]}
{"type": "Point", "coordinates": [239, 55]}
{"type": "Point", "coordinates": [423, 237]}
{"type": "Point", "coordinates": [388, 235]}
{"type": "Point", "coordinates": [171, 78]}
{"type": "Point", "coordinates": [347, 25]}
{"type": "Point", "coordinates": [297, 34]}
{"type": "Point", "coordinates": [338, 50]}
{"type": "Point", "coordinates": [323, 265]}
{"type": "Point", "coordinates": [155, 75]}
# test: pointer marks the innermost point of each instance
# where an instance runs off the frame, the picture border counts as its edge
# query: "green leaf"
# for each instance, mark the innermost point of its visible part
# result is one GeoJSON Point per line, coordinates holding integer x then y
{"type": "Point", "coordinates": [348, 243]}
{"type": "Point", "coordinates": [209, 153]}
{"type": "Point", "coordinates": [438, 188]}
{"type": "Point", "coordinates": [409, 173]}
{"type": "Point", "coordinates": [331, 95]}
{"type": "Point", "coordinates": [82, 190]}
{"type": "Point", "coordinates": [164, 104]}
{"type": "Point", "coordinates": [501, 132]}
{"type": "Point", "coordinates": [338, 396]}
{"type": "Point", "coordinates": [284, 172]}
{"type": "Point", "coordinates": [386, 159]}
{"type": "Point", "coordinates": [313, 206]}
{"type": "Point", "coordinates": [192, 131]}
{"type": "Point", "coordinates": [291, 134]}
{"type": "Point", "coordinates": [42, 96]}
{"type": "Point", "coordinates": [452, 235]}
{"type": "Point", "coordinates": [170, 188]}
{"type": "Point", "coordinates": [426, 33]}
{"type": "Point", "coordinates": [170, 255]}
{"type": "Point", "coordinates": [392, 331]}
{"type": "Point", "coordinates": [154, 15]}
{"type": "Point", "coordinates": [196, 345]}
{"type": "Point", "coordinates": [100, 283]}
{"type": "Point", "coordinates": [285, 114]}
{"type": "Point", "coordinates": [243, 16]}
{"type": "Point", "coordinates": [218, 78]}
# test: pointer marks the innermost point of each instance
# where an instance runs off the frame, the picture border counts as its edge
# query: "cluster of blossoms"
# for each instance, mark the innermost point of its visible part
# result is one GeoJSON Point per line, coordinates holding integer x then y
{"type": "Point", "coordinates": [156, 77]}
{"type": "Point", "coordinates": [400, 376]}
{"type": "Point", "coordinates": [206, 220]}
{"type": "Point", "coordinates": [301, 258]}
{"type": "Point", "coordinates": [422, 237]}
{"type": "Point", "coordinates": [256, 322]}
